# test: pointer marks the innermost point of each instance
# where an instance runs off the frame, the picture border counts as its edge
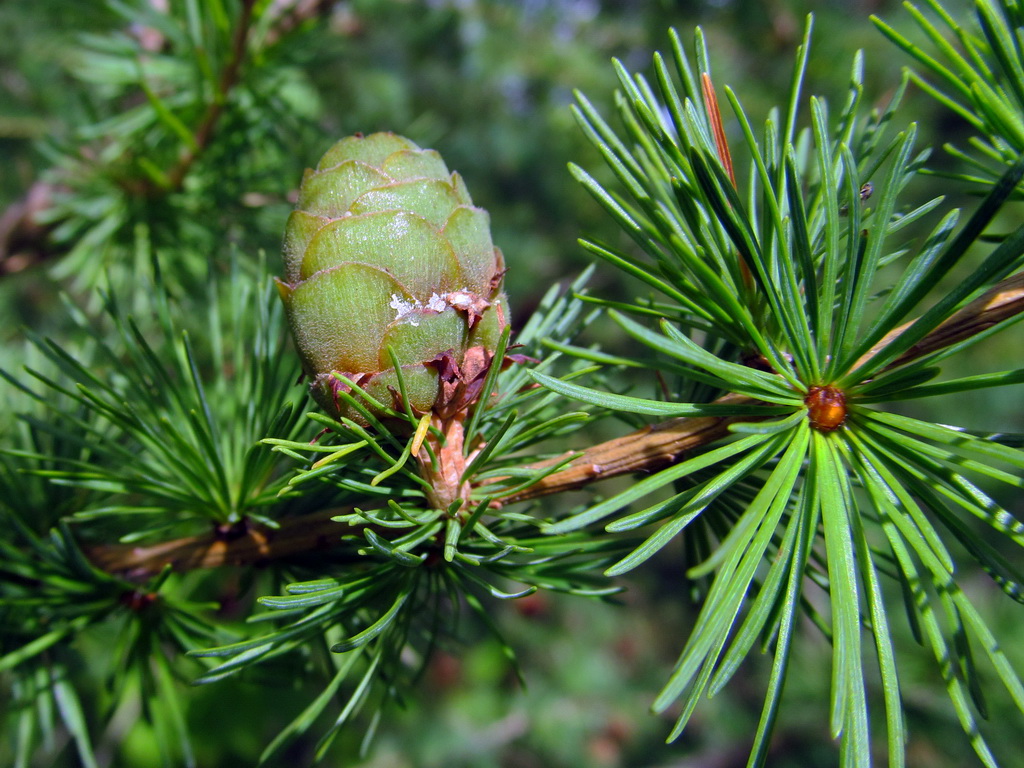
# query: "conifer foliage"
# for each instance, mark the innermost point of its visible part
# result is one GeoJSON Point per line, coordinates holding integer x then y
{"type": "Point", "coordinates": [164, 465]}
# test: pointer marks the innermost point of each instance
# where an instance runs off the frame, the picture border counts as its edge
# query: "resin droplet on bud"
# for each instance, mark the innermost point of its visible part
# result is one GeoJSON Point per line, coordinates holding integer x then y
{"type": "Point", "coordinates": [386, 249]}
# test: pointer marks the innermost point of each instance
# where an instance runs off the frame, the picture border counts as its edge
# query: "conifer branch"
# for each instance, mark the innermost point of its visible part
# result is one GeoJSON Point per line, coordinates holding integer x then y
{"type": "Point", "coordinates": [27, 225]}
{"type": "Point", "coordinates": [228, 79]}
{"type": "Point", "coordinates": [659, 445]}
{"type": "Point", "coordinates": [245, 544]}
{"type": "Point", "coordinates": [646, 450]}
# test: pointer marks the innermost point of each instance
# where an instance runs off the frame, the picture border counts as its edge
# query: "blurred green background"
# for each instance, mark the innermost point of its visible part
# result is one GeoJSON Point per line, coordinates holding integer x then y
{"type": "Point", "coordinates": [488, 84]}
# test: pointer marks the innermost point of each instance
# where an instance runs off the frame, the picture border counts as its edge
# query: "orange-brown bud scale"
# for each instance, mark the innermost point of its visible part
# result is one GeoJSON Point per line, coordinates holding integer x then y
{"type": "Point", "coordinates": [826, 408]}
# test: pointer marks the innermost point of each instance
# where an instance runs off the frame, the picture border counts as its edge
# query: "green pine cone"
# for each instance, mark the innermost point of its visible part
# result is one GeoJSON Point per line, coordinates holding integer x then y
{"type": "Point", "coordinates": [385, 249]}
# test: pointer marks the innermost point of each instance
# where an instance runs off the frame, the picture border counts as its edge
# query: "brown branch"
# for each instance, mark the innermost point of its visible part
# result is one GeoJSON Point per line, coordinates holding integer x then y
{"type": "Point", "coordinates": [1003, 301]}
{"type": "Point", "coordinates": [24, 238]}
{"type": "Point", "coordinates": [228, 80]}
{"type": "Point", "coordinates": [645, 450]}
{"type": "Point", "coordinates": [244, 545]}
